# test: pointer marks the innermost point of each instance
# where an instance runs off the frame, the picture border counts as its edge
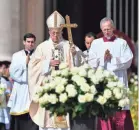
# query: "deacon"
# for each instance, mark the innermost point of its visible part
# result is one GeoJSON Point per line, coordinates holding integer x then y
{"type": "Point", "coordinates": [19, 101]}
{"type": "Point", "coordinates": [113, 54]}
{"type": "Point", "coordinates": [49, 55]}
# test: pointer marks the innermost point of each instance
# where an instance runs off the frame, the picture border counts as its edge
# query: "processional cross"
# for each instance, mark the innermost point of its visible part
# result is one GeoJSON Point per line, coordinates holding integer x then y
{"type": "Point", "coordinates": [68, 25]}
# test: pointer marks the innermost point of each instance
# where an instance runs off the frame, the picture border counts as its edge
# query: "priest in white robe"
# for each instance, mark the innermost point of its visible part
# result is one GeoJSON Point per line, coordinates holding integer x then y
{"type": "Point", "coordinates": [43, 61]}
{"type": "Point", "coordinates": [112, 54]}
{"type": "Point", "coordinates": [19, 101]}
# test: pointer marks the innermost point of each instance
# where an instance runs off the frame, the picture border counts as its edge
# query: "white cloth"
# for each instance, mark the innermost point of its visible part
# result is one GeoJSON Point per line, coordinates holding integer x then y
{"type": "Point", "coordinates": [121, 57]}
{"type": "Point", "coordinates": [19, 100]}
{"type": "Point", "coordinates": [86, 55]}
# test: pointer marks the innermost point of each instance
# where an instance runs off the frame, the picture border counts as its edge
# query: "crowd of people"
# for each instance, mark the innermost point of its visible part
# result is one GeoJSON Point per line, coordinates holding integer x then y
{"type": "Point", "coordinates": [29, 66]}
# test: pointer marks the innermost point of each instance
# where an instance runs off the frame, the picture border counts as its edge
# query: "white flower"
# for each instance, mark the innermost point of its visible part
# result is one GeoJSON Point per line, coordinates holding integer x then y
{"type": "Point", "coordinates": [52, 99]}
{"type": "Point", "coordinates": [57, 80]}
{"type": "Point", "coordinates": [39, 90]}
{"type": "Point", "coordinates": [118, 95]}
{"type": "Point", "coordinates": [82, 73]}
{"type": "Point", "coordinates": [80, 81]}
{"type": "Point", "coordinates": [2, 88]}
{"type": "Point", "coordinates": [69, 87]}
{"type": "Point", "coordinates": [135, 77]}
{"type": "Point", "coordinates": [46, 87]}
{"type": "Point", "coordinates": [121, 103]}
{"type": "Point", "coordinates": [75, 78]}
{"type": "Point", "coordinates": [116, 90]}
{"type": "Point", "coordinates": [93, 89]}
{"type": "Point", "coordinates": [120, 84]}
{"type": "Point", "coordinates": [115, 77]}
{"type": "Point", "coordinates": [52, 84]}
{"type": "Point", "coordinates": [136, 83]}
{"type": "Point", "coordinates": [94, 79]}
{"type": "Point", "coordinates": [63, 97]}
{"type": "Point", "coordinates": [65, 72]}
{"type": "Point", "coordinates": [85, 87]}
{"type": "Point", "coordinates": [102, 100]}
{"type": "Point", "coordinates": [107, 93]}
{"type": "Point", "coordinates": [63, 66]}
{"type": "Point", "coordinates": [74, 70]}
{"type": "Point", "coordinates": [1, 92]}
{"type": "Point", "coordinates": [127, 101]}
{"type": "Point", "coordinates": [91, 73]}
{"type": "Point", "coordinates": [124, 102]}
{"type": "Point", "coordinates": [132, 80]}
{"type": "Point", "coordinates": [111, 85]}
{"type": "Point", "coordinates": [64, 81]}
{"type": "Point", "coordinates": [59, 89]}
{"type": "Point", "coordinates": [71, 92]}
{"type": "Point", "coordinates": [54, 73]}
{"type": "Point", "coordinates": [82, 98]}
{"type": "Point", "coordinates": [44, 99]}
{"type": "Point", "coordinates": [89, 97]}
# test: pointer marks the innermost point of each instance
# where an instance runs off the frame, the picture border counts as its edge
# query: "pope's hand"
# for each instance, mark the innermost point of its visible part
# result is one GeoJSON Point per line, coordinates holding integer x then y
{"type": "Point", "coordinates": [73, 50]}
{"type": "Point", "coordinates": [54, 63]}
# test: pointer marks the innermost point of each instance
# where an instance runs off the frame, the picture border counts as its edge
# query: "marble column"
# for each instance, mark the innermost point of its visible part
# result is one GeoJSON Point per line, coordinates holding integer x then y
{"type": "Point", "coordinates": [9, 28]}
{"type": "Point", "coordinates": [32, 19]}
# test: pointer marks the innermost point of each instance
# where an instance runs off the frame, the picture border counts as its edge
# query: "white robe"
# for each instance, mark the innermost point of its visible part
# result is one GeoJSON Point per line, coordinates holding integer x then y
{"type": "Point", "coordinates": [121, 57]}
{"type": "Point", "coordinates": [86, 55]}
{"type": "Point", "coordinates": [19, 101]}
{"type": "Point", "coordinates": [39, 67]}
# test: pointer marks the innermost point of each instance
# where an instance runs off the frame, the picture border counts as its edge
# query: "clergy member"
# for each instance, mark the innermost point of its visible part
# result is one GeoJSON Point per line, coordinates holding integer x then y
{"type": "Point", "coordinates": [113, 54]}
{"type": "Point", "coordinates": [19, 101]}
{"type": "Point", "coordinates": [89, 37]}
{"type": "Point", "coordinates": [43, 61]}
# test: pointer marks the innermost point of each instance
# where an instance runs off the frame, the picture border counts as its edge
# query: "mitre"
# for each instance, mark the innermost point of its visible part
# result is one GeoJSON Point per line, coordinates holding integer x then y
{"type": "Point", "coordinates": [55, 20]}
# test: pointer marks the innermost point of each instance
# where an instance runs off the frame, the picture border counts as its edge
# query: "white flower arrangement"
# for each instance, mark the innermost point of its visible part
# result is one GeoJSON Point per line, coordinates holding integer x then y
{"type": "Point", "coordinates": [82, 90]}
{"type": "Point", "coordinates": [3, 88]}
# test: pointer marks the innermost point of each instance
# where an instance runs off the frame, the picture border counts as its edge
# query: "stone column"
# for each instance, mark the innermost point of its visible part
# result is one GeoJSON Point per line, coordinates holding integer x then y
{"type": "Point", "coordinates": [9, 28]}
{"type": "Point", "coordinates": [35, 19]}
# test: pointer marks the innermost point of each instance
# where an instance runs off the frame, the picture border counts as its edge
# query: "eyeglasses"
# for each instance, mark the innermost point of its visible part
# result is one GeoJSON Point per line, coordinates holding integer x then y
{"type": "Point", "coordinates": [54, 33]}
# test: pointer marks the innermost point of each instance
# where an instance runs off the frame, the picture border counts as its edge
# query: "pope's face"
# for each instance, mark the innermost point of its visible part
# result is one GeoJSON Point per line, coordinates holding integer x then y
{"type": "Point", "coordinates": [107, 29]}
{"type": "Point", "coordinates": [55, 35]}
{"type": "Point", "coordinates": [88, 41]}
{"type": "Point", "coordinates": [29, 44]}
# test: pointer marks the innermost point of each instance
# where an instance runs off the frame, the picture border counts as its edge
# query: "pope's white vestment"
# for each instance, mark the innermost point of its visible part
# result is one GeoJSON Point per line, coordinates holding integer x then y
{"type": "Point", "coordinates": [39, 68]}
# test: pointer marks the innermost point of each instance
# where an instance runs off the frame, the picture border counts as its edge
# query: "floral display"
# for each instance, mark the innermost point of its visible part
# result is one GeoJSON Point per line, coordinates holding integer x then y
{"type": "Point", "coordinates": [2, 94]}
{"type": "Point", "coordinates": [133, 85]}
{"type": "Point", "coordinates": [82, 90]}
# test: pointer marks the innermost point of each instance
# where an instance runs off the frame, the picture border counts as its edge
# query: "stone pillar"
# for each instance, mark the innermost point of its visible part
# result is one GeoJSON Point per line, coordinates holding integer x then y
{"type": "Point", "coordinates": [32, 16]}
{"type": "Point", "coordinates": [9, 28]}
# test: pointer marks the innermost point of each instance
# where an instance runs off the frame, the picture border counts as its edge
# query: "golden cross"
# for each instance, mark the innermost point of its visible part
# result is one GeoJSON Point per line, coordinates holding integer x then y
{"type": "Point", "coordinates": [68, 25]}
